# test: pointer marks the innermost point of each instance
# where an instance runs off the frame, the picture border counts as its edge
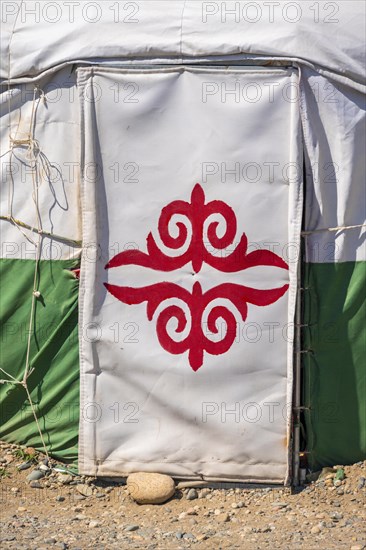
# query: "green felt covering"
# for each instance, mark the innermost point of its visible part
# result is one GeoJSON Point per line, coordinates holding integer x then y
{"type": "Point", "coordinates": [54, 383]}
{"type": "Point", "coordinates": [334, 371]}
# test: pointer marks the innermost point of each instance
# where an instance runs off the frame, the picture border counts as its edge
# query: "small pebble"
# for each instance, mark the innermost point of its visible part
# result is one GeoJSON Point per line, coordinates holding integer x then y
{"type": "Point", "coordinates": [189, 536]}
{"type": "Point", "coordinates": [24, 465]}
{"type": "Point", "coordinates": [65, 479]}
{"type": "Point", "coordinates": [85, 490]}
{"type": "Point", "coordinates": [93, 524]}
{"type": "Point", "coordinates": [279, 504]}
{"type": "Point", "coordinates": [336, 516]}
{"type": "Point", "coordinates": [192, 494]}
{"type": "Point", "coordinates": [223, 518]}
{"type": "Point", "coordinates": [35, 485]}
{"type": "Point", "coordinates": [36, 474]}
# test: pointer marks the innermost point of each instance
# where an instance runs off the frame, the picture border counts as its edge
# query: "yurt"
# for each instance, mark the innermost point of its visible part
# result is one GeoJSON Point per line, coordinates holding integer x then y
{"type": "Point", "coordinates": [183, 236]}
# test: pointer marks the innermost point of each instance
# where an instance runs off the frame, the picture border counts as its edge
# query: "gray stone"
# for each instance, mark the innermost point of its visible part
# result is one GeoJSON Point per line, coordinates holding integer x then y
{"type": "Point", "coordinates": [35, 485]}
{"type": "Point", "coordinates": [36, 474]}
{"type": "Point", "coordinates": [25, 465]}
{"type": "Point", "coordinates": [85, 490]}
{"type": "Point", "coordinates": [192, 494]}
{"type": "Point", "coordinates": [336, 516]}
{"type": "Point", "coordinates": [361, 483]}
{"type": "Point", "coordinates": [65, 479]}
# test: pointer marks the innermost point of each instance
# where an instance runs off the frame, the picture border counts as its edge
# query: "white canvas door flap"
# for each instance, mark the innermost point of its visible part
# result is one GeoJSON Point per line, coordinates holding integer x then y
{"type": "Point", "coordinates": [191, 203]}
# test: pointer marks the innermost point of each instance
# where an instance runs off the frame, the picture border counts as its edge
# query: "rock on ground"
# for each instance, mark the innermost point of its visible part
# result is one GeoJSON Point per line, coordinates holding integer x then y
{"type": "Point", "coordinates": [99, 514]}
{"type": "Point", "coordinates": [150, 488]}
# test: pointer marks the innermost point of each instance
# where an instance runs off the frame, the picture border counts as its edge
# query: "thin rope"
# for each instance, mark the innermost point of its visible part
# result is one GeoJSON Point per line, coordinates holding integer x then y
{"type": "Point", "coordinates": [32, 155]}
{"type": "Point", "coordinates": [35, 293]}
{"type": "Point", "coordinates": [36, 419]}
{"type": "Point", "coordinates": [8, 374]}
{"type": "Point", "coordinates": [340, 228]}
{"type": "Point", "coordinates": [11, 141]}
{"type": "Point", "coordinates": [44, 233]}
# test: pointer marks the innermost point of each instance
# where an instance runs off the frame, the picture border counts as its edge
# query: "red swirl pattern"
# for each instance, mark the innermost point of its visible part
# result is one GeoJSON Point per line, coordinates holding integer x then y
{"type": "Point", "coordinates": [196, 342]}
{"type": "Point", "coordinates": [198, 302]}
{"type": "Point", "coordinates": [197, 212]}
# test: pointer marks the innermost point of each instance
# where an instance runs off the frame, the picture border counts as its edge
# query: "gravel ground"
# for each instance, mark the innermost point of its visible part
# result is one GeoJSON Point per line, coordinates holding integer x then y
{"type": "Point", "coordinates": [61, 510]}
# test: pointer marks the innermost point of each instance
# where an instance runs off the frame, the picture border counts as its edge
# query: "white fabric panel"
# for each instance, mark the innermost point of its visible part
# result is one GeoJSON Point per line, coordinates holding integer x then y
{"type": "Point", "coordinates": [334, 125]}
{"type": "Point", "coordinates": [56, 141]}
{"type": "Point", "coordinates": [145, 405]}
{"type": "Point", "coordinates": [327, 34]}
{"type": "Point", "coordinates": [56, 160]}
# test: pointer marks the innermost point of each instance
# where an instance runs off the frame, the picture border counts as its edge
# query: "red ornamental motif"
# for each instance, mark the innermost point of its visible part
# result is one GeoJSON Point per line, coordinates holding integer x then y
{"type": "Point", "coordinates": [199, 303]}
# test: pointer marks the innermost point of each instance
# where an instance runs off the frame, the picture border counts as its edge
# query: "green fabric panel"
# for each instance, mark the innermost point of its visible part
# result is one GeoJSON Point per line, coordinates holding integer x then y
{"type": "Point", "coordinates": [334, 372]}
{"type": "Point", "coordinates": [54, 383]}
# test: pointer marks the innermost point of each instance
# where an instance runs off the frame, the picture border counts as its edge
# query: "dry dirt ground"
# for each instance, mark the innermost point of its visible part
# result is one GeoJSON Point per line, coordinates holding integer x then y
{"type": "Point", "coordinates": [70, 512]}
